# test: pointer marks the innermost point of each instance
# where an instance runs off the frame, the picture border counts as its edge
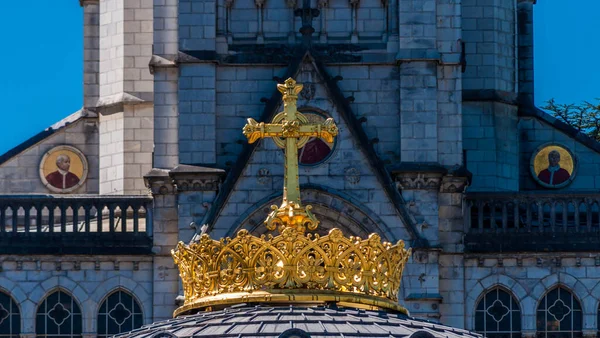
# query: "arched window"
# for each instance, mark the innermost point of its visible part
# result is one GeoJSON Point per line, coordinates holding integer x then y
{"type": "Point", "coordinates": [10, 317]}
{"type": "Point", "coordinates": [58, 316]}
{"type": "Point", "coordinates": [119, 312]}
{"type": "Point", "coordinates": [498, 315]}
{"type": "Point", "coordinates": [559, 315]}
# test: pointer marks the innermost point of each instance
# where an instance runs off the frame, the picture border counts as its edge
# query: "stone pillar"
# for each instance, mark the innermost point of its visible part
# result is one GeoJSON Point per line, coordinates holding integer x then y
{"type": "Point", "coordinates": [126, 95]}
{"type": "Point", "coordinates": [488, 30]}
{"type": "Point", "coordinates": [166, 74]}
{"type": "Point", "coordinates": [91, 52]}
{"type": "Point", "coordinates": [419, 185]}
{"type": "Point", "coordinates": [165, 279]}
{"type": "Point", "coordinates": [525, 50]}
{"type": "Point", "coordinates": [197, 188]}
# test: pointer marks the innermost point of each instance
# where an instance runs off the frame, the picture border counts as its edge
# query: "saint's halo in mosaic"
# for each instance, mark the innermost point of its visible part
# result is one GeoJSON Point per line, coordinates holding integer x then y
{"type": "Point", "coordinates": [553, 166]}
{"type": "Point", "coordinates": [63, 169]}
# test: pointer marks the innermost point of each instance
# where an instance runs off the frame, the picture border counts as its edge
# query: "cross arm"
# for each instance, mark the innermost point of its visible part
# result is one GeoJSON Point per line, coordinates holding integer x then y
{"type": "Point", "coordinates": [256, 130]}
{"type": "Point", "coordinates": [326, 130]}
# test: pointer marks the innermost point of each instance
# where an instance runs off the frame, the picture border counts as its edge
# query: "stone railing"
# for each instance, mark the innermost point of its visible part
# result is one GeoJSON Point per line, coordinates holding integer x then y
{"type": "Point", "coordinates": [531, 221]}
{"type": "Point", "coordinates": [83, 224]}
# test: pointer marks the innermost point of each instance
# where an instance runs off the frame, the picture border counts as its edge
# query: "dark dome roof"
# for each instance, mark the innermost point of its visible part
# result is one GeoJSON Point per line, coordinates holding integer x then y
{"type": "Point", "coordinates": [276, 321]}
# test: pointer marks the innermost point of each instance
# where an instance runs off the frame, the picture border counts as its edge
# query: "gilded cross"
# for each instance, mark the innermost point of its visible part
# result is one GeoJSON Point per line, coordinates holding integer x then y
{"type": "Point", "coordinates": [290, 130]}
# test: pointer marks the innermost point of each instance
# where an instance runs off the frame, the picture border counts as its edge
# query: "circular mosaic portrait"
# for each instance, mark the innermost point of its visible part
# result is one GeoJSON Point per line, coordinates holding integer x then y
{"type": "Point", "coordinates": [553, 166]}
{"type": "Point", "coordinates": [63, 169]}
{"type": "Point", "coordinates": [316, 150]}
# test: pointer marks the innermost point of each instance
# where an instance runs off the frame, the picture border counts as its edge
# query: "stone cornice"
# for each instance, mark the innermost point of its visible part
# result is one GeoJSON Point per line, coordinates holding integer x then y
{"type": "Point", "coordinates": [111, 104]}
{"type": "Point", "coordinates": [430, 176]}
{"type": "Point", "coordinates": [183, 178]}
{"type": "Point", "coordinates": [159, 182]}
{"type": "Point", "coordinates": [162, 61]}
{"type": "Point", "coordinates": [196, 178]}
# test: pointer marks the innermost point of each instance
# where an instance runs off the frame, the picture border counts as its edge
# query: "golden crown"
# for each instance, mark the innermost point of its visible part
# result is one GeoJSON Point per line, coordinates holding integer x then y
{"type": "Point", "coordinates": [294, 266]}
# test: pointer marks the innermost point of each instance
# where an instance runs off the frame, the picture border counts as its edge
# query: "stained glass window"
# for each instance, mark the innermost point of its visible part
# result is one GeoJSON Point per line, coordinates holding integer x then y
{"type": "Point", "coordinates": [119, 312]}
{"type": "Point", "coordinates": [498, 315]}
{"type": "Point", "coordinates": [58, 316]}
{"type": "Point", "coordinates": [559, 315]}
{"type": "Point", "coordinates": [10, 317]}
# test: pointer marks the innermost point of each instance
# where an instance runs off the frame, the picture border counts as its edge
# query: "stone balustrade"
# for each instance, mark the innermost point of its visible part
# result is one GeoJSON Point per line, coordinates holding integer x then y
{"type": "Point", "coordinates": [80, 224]}
{"type": "Point", "coordinates": [523, 221]}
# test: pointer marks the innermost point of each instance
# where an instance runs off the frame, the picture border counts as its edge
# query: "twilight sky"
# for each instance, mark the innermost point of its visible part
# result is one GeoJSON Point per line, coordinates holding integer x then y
{"type": "Point", "coordinates": [42, 53]}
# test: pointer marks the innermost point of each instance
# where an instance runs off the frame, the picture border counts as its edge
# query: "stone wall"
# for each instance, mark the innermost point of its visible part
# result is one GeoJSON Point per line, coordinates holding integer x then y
{"type": "Point", "coordinates": [126, 146]}
{"type": "Point", "coordinates": [491, 145]}
{"type": "Point", "coordinates": [534, 133]}
{"type": "Point", "coordinates": [21, 174]}
{"type": "Point", "coordinates": [89, 280]}
{"type": "Point", "coordinates": [489, 31]}
{"type": "Point", "coordinates": [528, 277]}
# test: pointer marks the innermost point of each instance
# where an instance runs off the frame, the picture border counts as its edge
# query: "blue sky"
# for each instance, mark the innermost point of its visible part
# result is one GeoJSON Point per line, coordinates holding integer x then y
{"type": "Point", "coordinates": [42, 52]}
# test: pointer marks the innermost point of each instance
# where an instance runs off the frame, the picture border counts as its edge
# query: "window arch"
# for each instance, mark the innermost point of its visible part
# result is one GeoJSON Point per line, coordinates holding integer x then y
{"type": "Point", "coordinates": [10, 317]}
{"type": "Point", "coordinates": [498, 315]}
{"type": "Point", "coordinates": [58, 316]}
{"type": "Point", "coordinates": [559, 314]}
{"type": "Point", "coordinates": [119, 312]}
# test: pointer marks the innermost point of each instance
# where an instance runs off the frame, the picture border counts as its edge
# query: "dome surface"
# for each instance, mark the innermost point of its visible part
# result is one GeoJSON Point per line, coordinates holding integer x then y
{"type": "Point", "coordinates": [278, 321]}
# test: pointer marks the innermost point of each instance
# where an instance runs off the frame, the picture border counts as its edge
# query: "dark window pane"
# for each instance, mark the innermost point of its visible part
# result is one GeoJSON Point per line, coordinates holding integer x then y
{"type": "Point", "coordinates": [495, 313]}
{"type": "Point", "coordinates": [10, 317]}
{"type": "Point", "coordinates": [59, 315]}
{"type": "Point", "coordinates": [118, 314]}
{"type": "Point", "coordinates": [559, 315]}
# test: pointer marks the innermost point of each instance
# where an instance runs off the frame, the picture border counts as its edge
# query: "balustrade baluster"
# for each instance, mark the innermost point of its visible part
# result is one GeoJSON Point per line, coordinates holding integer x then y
{"type": "Point", "coordinates": [565, 215]}
{"type": "Point", "coordinates": [516, 217]}
{"type": "Point", "coordinates": [111, 217]}
{"type": "Point", "coordinates": [3, 219]}
{"type": "Point", "coordinates": [38, 217]}
{"type": "Point", "coordinates": [124, 217]}
{"type": "Point", "coordinates": [588, 211]}
{"type": "Point", "coordinates": [504, 216]}
{"type": "Point", "coordinates": [99, 209]}
{"type": "Point", "coordinates": [136, 218]}
{"type": "Point", "coordinates": [87, 217]}
{"type": "Point", "coordinates": [50, 217]}
{"type": "Point", "coordinates": [75, 217]}
{"type": "Point", "coordinates": [529, 216]}
{"type": "Point", "coordinates": [26, 220]}
{"type": "Point", "coordinates": [63, 217]}
{"type": "Point", "coordinates": [576, 214]}
{"type": "Point", "coordinates": [552, 215]}
{"type": "Point", "coordinates": [540, 205]}
{"type": "Point", "coordinates": [467, 214]}
{"type": "Point", "coordinates": [148, 209]}
{"type": "Point", "coordinates": [15, 218]}
{"type": "Point", "coordinates": [480, 207]}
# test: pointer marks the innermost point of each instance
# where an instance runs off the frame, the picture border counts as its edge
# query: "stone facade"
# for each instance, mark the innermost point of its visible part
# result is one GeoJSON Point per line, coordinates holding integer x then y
{"type": "Point", "coordinates": [433, 104]}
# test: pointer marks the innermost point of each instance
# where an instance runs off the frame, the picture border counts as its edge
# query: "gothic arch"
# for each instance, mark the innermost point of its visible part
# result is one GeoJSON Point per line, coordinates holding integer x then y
{"type": "Point", "coordinates": [579, 290]}
{"type": "Point", "coordinates": [45, 288]}
{"type": "Point", "coordinates": [65, 289]}
{"type": "Point", "coordinates": [125, 284]}
{"type": "Point", "coordinates": [490, 282]}
{"type": "Point", "coordinates": [330, 207]}
{"type": "Point", "coordinates": [16, 295]}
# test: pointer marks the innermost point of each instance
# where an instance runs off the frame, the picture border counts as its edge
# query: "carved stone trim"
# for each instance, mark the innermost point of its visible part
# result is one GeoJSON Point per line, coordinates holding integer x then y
{"type": "Point", "coordinates": [195, 178]}
{"type": "Point", "coordinates": [418, 181]}
{"type": "Point", "coordinates": [453, 184]}
{"type": "Point", "coordinates": [159, 182]}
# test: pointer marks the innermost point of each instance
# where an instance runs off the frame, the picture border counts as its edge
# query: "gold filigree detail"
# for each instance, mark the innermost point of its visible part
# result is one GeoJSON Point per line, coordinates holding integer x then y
{"type": "Point", "coordinates": [291, 260]}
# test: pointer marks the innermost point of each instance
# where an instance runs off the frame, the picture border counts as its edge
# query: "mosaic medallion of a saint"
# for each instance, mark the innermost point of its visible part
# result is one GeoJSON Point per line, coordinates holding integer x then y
{"type": "Point", "coordinates": [553, 166]}
{"type": "Point", "coordinates": [316, 150]}
{"type": "Point", "coordinates": [63, 169]}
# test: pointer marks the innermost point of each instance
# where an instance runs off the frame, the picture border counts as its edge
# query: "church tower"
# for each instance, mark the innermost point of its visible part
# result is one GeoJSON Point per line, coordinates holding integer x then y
{"type": "Point", "coordinates": [125, 95]}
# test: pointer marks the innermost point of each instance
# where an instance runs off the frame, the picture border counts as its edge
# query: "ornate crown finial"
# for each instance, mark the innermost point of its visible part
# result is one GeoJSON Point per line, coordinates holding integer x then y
{"type": "Point", "coordinates": [293, 266]}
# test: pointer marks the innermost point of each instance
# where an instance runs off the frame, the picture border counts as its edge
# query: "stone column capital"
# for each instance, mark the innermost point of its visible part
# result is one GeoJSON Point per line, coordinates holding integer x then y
{"type": "Point", "coordinates": [159, 182]}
